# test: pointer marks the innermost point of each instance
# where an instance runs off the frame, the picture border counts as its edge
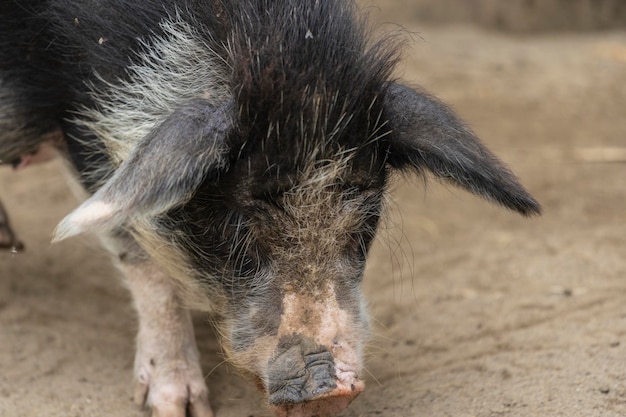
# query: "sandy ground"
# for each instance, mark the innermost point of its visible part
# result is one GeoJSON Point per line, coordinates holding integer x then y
{"type": "Point", "coordinates": [476, 311]}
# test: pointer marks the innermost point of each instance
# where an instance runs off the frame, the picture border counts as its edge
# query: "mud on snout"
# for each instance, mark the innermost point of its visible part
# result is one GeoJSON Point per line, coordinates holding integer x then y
{"type": "Point", "coordinates": [312, 365]}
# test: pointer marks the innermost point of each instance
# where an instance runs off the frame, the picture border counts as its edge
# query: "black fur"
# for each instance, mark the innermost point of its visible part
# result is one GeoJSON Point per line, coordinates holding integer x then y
{"type": "Point", "coordinates": [307, 83]}
{"type": "Point", "coordinates": [29, 92]}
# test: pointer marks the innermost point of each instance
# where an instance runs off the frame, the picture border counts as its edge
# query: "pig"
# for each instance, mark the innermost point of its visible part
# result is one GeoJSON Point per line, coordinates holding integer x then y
{"type": "Point", "coordinates": [237, 155]}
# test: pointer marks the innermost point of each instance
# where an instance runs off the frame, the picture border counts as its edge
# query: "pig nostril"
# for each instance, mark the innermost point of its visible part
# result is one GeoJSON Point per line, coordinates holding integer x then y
{"type": "Point", "coordinates": [323, 387]}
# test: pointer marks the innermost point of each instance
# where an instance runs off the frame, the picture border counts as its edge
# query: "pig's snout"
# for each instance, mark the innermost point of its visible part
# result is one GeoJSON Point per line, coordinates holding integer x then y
{"type": "Point", "coordinates": [297, 376]}
{"type": "Point", "coordinates": [305, 380]}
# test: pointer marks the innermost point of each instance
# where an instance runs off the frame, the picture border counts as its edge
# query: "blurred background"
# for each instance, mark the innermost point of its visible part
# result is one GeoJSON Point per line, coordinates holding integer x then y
{"type": "Point", "coordinates": [516, 15]}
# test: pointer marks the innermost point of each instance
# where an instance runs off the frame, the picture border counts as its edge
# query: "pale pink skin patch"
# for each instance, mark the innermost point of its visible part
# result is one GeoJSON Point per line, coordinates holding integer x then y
{"type": "Point", "coordinates": [48, 150]}
{"type": "Point", "coordinates": [92, 213]}
{"type": "Point", "coordinates": [86, 216]}
{"type": "Point", "coordinates": [335, 329]}
{"type": "Point", "coordinates": [168, 376]}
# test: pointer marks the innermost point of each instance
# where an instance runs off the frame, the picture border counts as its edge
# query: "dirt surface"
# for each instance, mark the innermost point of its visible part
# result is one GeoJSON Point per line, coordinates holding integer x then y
{"type": "Point", "coordinates": [475, 311]}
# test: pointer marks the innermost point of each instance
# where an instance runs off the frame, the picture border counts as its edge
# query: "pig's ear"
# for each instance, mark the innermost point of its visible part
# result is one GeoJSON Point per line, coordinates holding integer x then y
{"type": "Point", "coordinates": [161, 172]}
{"type": "Point", "coordinates": [426, 134]}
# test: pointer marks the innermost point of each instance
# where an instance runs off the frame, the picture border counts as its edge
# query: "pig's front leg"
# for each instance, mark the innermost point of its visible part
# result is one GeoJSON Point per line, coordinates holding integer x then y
{"type": "Point", "coordinates": [8, 239]}
{"type": "Point", "coordinates": [167, 369]}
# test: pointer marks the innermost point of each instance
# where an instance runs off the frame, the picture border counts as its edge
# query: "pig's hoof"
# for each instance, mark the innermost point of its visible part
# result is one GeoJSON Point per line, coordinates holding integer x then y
{"type": "Point", "coordinates": [8, 240]}
{"type": "Point", "coordinates": [172, 391]}
{"type": "Point", "coordinates": [9, 243]}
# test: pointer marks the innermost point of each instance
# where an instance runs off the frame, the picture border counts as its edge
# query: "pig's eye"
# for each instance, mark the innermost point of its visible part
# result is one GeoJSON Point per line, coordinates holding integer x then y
{"type": "Point", "coordinates": [248, 261]}
{"type": "Point", "coordinates": [274, 198]}
{"type": "Point", "coordinates": [362, 242]}
{"type": "Point", "coordinates": [246, 265]}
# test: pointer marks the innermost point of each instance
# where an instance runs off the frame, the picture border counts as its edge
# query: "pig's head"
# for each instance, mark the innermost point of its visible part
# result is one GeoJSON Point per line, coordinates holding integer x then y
{"type": "Point", "coordinates": [275, 232]}
{"type": "Point", "coordinates": [263, 203]}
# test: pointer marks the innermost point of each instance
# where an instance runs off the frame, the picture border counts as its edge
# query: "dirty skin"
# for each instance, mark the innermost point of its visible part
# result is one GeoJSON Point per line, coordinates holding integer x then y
{"type": "Point", "coordinates": [47, 151]}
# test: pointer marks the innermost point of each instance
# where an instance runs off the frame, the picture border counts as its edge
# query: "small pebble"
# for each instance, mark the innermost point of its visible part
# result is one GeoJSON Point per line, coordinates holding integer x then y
{"type": "Point", "coordinates": [605, 390]}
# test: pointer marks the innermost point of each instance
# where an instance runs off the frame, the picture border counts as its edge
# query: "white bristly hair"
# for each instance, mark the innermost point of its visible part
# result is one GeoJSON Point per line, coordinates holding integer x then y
{"type": "Point", "coordinates": [171, 69]}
